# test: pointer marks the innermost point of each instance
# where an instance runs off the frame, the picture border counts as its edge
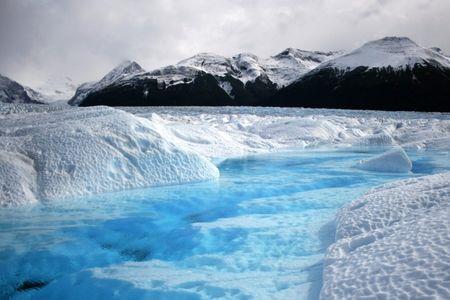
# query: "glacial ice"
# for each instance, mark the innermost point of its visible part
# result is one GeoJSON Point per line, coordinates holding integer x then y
{"type": "Point", "coordinates": [70, 152]}
{"type": "Point", "coordinates": [393, 161]}
{"type": "Point", "coordinates": [103, 149]}
{"type": "Point", "coordinates": [393, 242]}
{"type": "Point", "coordinates": [223, 132]}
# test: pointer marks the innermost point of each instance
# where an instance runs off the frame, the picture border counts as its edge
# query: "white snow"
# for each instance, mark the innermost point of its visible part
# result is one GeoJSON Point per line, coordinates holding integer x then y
{"type": "Point", "coordinates": [233, 131]}
{"type": "Point", "coordinates": [226, 86]}
{"type": "Point", "coordinates": [397, 52]}
{"type": "Point", "coordinates": [393, 161]}
{"type": "Point", "coordinates": [71, 152]}
{"type": "Point", "coordinates": [54, 89]}
{"type": "Point", "coordinates": [289, 65]}
{"type": "Point", "coordinates": [393, 243]}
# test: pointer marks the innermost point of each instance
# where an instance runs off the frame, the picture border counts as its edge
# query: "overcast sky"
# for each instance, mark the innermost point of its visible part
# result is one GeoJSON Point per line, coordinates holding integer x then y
{"type": "Point", "coordinates": [84, 39]}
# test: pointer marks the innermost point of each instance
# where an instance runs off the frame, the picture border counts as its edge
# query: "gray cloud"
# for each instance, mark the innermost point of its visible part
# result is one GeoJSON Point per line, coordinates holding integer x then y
{"type": "Point", "coordinates": [84, 39]}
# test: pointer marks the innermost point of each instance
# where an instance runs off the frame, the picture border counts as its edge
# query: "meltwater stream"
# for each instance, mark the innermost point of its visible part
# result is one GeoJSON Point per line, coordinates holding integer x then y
{"type": "Point", "coordinates": [260, 231]}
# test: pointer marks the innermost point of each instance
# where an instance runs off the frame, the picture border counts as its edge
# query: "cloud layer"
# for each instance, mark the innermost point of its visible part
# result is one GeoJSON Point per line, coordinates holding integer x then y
{"type": "Point", "coordinates": [85, 39]}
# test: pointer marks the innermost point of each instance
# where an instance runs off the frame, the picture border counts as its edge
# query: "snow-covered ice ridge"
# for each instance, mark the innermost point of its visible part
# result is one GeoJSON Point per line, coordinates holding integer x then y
{"type": "Point", "coordinates": [50, 152]}
{"type": "Point", "coordinates": [223, 132]}
{"type": "Point", "coordinates": [393, 243]}
{"type": "Point", "coordinates": [68, 152]}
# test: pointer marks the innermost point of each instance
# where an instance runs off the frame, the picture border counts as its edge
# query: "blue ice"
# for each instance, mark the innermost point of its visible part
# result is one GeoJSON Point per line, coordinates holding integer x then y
{"type": "Point", "coordinates": [260, 231]}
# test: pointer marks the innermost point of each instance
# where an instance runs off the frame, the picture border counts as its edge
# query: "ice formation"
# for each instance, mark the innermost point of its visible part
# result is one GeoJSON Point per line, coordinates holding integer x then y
{"type": "Point", "coordinates": [83, 151]}
{"type": "Point", "coordinates": [224, 132]}
{"type": "Point", "coordinates": [59, 137]}
{"type": "Point", "coordinates": [393, 242]}
{"type": "Point", "coordinates": [394, 161]}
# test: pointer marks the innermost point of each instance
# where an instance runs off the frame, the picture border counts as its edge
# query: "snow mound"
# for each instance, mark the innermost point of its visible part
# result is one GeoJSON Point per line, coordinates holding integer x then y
{"type": "Point", "coordinates": [393, 161]}
{"type": "Point", "coordinates": [397, 52]}
{"type": "Point", "coordinates": [393, 243]}
{"type": "Point", "coordinates": [74, 152]}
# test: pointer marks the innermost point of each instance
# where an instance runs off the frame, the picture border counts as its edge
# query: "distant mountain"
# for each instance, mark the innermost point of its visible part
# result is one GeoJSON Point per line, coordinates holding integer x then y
{"type": "Point", "coordinates": [204, 79]}
{"type": "Point", "coordinates": [122, 72]}
{"type": "Point", "coordinates": [54, 89]}
{"type": "Point", "coordinates": [392, 73]}
{"type": "Point", "coordinates": [13, 92]}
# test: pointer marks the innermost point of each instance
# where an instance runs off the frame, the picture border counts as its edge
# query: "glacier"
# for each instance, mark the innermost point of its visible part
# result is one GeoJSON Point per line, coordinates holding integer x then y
{"type": "Point", "coordinates": [76, 151]}
{"type": "Point", "coordinates": [236, 243]}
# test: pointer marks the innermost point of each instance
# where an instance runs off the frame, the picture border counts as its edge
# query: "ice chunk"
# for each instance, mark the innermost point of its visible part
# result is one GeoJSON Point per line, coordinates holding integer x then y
{"type": "Point", "coordinates": [393, 161]}
{"type": "Point", "coordinates": [85, 151]}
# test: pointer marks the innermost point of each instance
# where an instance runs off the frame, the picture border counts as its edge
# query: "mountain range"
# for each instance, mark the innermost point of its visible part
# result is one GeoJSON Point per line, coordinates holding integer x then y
{"type": "Point", "coordinates": [392, 73]}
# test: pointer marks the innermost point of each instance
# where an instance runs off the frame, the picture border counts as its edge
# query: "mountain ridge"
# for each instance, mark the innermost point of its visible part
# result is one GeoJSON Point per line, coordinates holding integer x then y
{"type": "Point", "coordinates": [391, 73]}
{"type": "Point", "coordinates": [245, 78]}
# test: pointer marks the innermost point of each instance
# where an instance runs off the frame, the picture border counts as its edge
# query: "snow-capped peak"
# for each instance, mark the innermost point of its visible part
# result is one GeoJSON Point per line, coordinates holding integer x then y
{"type": "Point", "coordinates": [304, 55]}
{"type": "Point", "coordinates": [290, 64]}
{"type": "Point", "coordinates": [124, 69]}
{"type": "Point", "coordinates": [396, 52]}
{"type": "Point", "coordinates": [282, 69]}
{"type": "Point", "coordinates": [209, 62]}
